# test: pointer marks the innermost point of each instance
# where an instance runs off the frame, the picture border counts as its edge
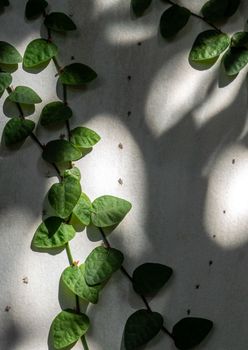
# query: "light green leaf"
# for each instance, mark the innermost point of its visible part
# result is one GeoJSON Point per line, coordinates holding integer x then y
{"type": "Point", "coordinates": [140, 6]}
{"type": "Point", "coordinates": [235, 59]}
{"type": "Point", "coordinates": [208, 45]}
{"type": "Point", "coordinates": [68, 327]}
{"type": "Point", "coordinates": [25, 95]}
{"type": "Point", "coordinates": [53, 233]}
{"type": "Point", "coordinates": [82, 210]}
{"type": "Point", "coordinates": [17, 130]}
{"type": "Point", "coordinates": [77, 74]}
{"type": "Point", "coordinates": [74, 279]}
{"type": "Point", "coordinates": [82, 137]}
{"type": "Point", "coordinates": [35, 8]}
{"type": "Point", "coordinates": [64, 196]}
{"type": "Point", "coordinates": [109, 210]}
{"type": "Point", "coordinates": [101, 264]}
{"type": "Point", "coordinates": [60, 151]}
{"type": "Point", "coordinates": [59, 22]}
{"type": "Point", "coordinates": [9, 54]}
{"type": "Point", "coordinates": [173, 20]}
{"type": "Point", "coordinates": [74, 172]}
{"type": "Point", "coordinates": [54, 113]}
{"type": "Point", "coordinates": [39, 51]}
{"type": "Point", "coordinates": [5, 81]}
{"type": "Point", "coordinates": [141, 327]}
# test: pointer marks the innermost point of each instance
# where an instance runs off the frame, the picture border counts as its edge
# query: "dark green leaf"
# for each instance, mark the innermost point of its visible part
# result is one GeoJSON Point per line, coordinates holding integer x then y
{"type": "Point", "coordinates": [141, 327]}
{"type": "Point", "coordinates": [17, 130]}
{"type": "Point", "coordinates": [209, 44]}
{"type": "Point", "coordinates": [240, 39]}
{"type": "Point", "coordinates": [149, 278]}
{"type": "Point", "coordinates": [68, 327]}
{"type": "Point", "coordinates": [60, 151]}
{"type": "Point", "coordinates": [5, 81]}
{"type": "Point", "coordinates": [235, 59]}
{"type": "Point", "coordinates": [35, 8]}
{"type": "Point", "coordinates": [190, 332]}
{"type": "Point", "coordinates": [59, 22]}
{"type": "Point", "coordinates": [109, 210]}
{"type": "Point", "coordinates": [77, 74]}
{"type": "Point", "coordinates": [9, 54]}
{"type": "Point", "coordinates": [25, 95]}
{"type": "Point", "coordinates": [53, 233]}
{"type": "Point", "coordinates": [64, 196]}
{"type": "Point", "coordinates": [4, 3]}
{"type": "Point", "coordinates": [140, 6]}
{"type": "Point", "coordinates": [173, 20]}
{"type": "Point", "coordinates": [74, 279]}
{"type": "Point", "coordinates": [82, 137]}
{"type": "Point", "coordinates": [101, 264]}
{"type": "Point", "coordinates": [54, 113]}
{"type": "Point", "coordinates": [82, 210]}
{"type": "Point", "coordinates": [74, 172]}
{"type": "Point", "coordinates": [215, 10]}
{"type": "Point", "coordinates": [232, 7]}
{"type": "Point", "coordinates": [39, 51]}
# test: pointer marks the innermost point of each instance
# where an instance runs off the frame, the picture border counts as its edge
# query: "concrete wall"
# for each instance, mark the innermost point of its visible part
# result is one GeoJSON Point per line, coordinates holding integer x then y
{"type": "Point", "coordinates": [184, 166]}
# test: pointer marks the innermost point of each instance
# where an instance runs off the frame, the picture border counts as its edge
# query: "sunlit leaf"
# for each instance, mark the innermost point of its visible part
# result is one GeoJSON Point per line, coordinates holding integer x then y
{"type": "Point", "coordinates": [74, 172]}
{"type": "Point", "coordinates": [82, 137]}
{"type": "Point", "coordinates": [140, 6]}
{"type": "Point", "coordinates": [35, 8]}
{"type": "Point", "coordinates": [82, 210]}
{"type": "Point", "coordinates": [5, 81]}
{"type": "Point", "coordinates": [55, 113]}
{"type": "Point", "coordinates": [17, 130]}
{"type": "Point", "coordinates": [9, 54]}
{"type": "Point", "coordinates": [39, 51]}
{"type": "Point", "coordinates": [60, 151]}
{"type": "Point", "coordinates": [77, 74]}
{"type": "Point", "coordinates": [25, 95]}
{"type": "Point", "coordinates": [173, 20]}
{"type": "Point", "coordinates": [60, 22]}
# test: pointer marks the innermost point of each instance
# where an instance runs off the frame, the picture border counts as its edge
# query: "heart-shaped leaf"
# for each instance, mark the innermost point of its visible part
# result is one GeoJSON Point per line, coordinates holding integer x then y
{"type": "Point", "coordinates": [9, 54]}
{"type": "Point", "coordinates": [73, 277]}
{"type": "Point", "coordinates": [209, 44]}
{"type": "Point", "coordinates": [17, 130]}
{"type": "Point", "coordinates": [39, 51]}
{"type": "Point", "coordinates": [25, 95]}
{"type": "Point", "coordinates": [77, 74]}
{"type": "Point", "coordinates": [35, 8]}
{"type": "Point", "coordinates": [173, 20]}
{"type": "Point", "coordinates": [82, 210]}
{"type": "Point", "coordinates": [60, 151]}
{"type": "Point", "coordinates": [235, 59]}
{"type": "Point", "coordinates": [141, 327]}
{"type": "Point", "coordinates": [82, 137]}
{"type": "Point", "coordinates": [149, 278]}
{"type": "Point", "coordinates": [190, 332]}
{"type": "Point", "coordinates": [5, 81]}
{"type": "Point", "coordinates": [59, 22]}
{"type": "Point", "coordinates": [64, 196]}
{"type": "Point", "coordinates": [74, 172]}
{"type": "Point", "coordinates": [101, 264]}
{"type": "Point", "coordinates": [68, 327]}
{"type": "Point", "coordinates": [53, 233]}
{"type": "Point", "coordinates": [109, 210]}
{"type": "Point", "coordinates": [140, 6]}
{"type": "Point", "coordinates": [54, 113]}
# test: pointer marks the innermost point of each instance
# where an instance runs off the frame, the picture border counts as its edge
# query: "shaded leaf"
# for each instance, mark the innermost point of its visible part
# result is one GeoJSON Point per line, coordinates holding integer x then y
{"type": "Point", "coordinates": [235, 59]}
{"type": "Point", "coordinates": [82, 210]}
{"type": "Point", "coordinates": [68, 327]}
{"type": "Point", "coordinates": [9, 54]}
{"type": "Point", "coordinates": [4, 3]}
{"type": "Point", "coordinates": [39, 51]}
{"type": "Point", "coordinates": [173, 20]}
{"type": "Point", "coordinates": [74, 172]}
{"type": "Point", "coordinates": [35, 8]}
{"type": "Point", "coordinates": [5, 81]}
{"type": "Point", "coordinates": [141, 327]}
{"type": "Point", "coordinates": [240, 39]}
{"type": "Point", "coordinates": [77, 74]}
{"type": "Point", "coordinates": [54, 113]}
{"type": "Point", "coordinates": [17, 130]}
{"type": "Point", "coordinates": [215, 10]}
{"type": "Point", "coordinates": [25, 95]}
{"type": "Point", "coordinates": [190, 332]}
{"type": "Point", "coordinates": [82, 137]}
{"type": "Point", "coordinates": [140, 6]}
{"type": "Point", "coordinates": [59, 22]}
{"type": "Point", "coordinates": [60, 151]}
{"type": "Point", "coordinates": [232, 7]}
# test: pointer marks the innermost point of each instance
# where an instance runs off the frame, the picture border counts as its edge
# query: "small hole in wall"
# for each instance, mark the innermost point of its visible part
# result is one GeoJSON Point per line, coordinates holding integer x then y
{"type": "Point", "coordinates": [188, 312]}
{"type": "Point", "coordinates": [197, 286]}
{"type": "Point", "coordinates": [129, 113]}
{"type": "Point", "coordinates": [233, 161]}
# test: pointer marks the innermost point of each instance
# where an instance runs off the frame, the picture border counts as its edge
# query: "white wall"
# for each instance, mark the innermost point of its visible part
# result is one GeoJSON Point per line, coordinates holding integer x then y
{"type": "Point", "coordinates": [179, 143]}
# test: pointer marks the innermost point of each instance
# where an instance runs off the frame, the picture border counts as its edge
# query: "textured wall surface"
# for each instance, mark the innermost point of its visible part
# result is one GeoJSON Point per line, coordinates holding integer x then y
{"type": "Point", "coordinates": [184, 166]}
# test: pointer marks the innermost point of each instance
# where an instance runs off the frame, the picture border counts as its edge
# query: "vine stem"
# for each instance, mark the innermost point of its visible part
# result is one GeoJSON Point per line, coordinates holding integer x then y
{"type": "Point", "coordinates": [129, 277]}
{"type": "Point", "coordinates": [84, 342]}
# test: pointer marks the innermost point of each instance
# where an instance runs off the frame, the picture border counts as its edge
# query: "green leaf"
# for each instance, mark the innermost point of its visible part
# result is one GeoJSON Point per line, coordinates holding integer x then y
{"type": "Point", "coordinates": [39, 51]}
{"type": "Point", "coordinates": [140, 6]}
{"type": "Point", "coordinates": [209, 44]}
{"type": "Point", "coordinates": [64, 196]}
{"type": "Point", "coordinates": [68, 327]}
{"type": "Point", "coordinates": [149, 278]}
{"type": "Point", "coordinates": [35, 8]}
{"type": "Point", "coordinates": [77, 74]}
{"type": "Point", "coordinates": [4, 3]}
{"type": "Point", "coordinates": [232, 7]}
{"type": "Point", "coordinates": [74, 172]}
{"type": "Point", "coordinates": [215, 10]}
{"type": "Point", "coordinates": [82, 210]}
{"type": "Point", "coordinates": [141, 327]}
{"type": "Point", "coordinates": [173, 20]}
{"type": "Point", "coordinates": [101, 264]}
{"type": "Point", "coordinates": [25, 95]}
{"type": "Point", "coordinates": [5, 81]}
{"type": "Point", "coordinates": [53, 233]}
{"type": "Point", "coordinates": [109, 210]}
{"type": "Point", "coordinates": [240, 39]}
{"type": "Point", "coordinates": [17, 130]}
{"type": "Point", "coordinates": [73, 277]}
{"type": "Point", "coordinates": [82, 137]}
{"type": "Point", "coordinates": [59, 22]}
{"type": "Point", "coordinates": [190, 332]}
{"type": "Point", "coordinates": [235, 59]}
{"type": "Point", "coordinates": [9, 54]}
{"type": "Point", "coordinates": [54, 113]}
{"type": "Point", "coordinates": [60, 151]}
